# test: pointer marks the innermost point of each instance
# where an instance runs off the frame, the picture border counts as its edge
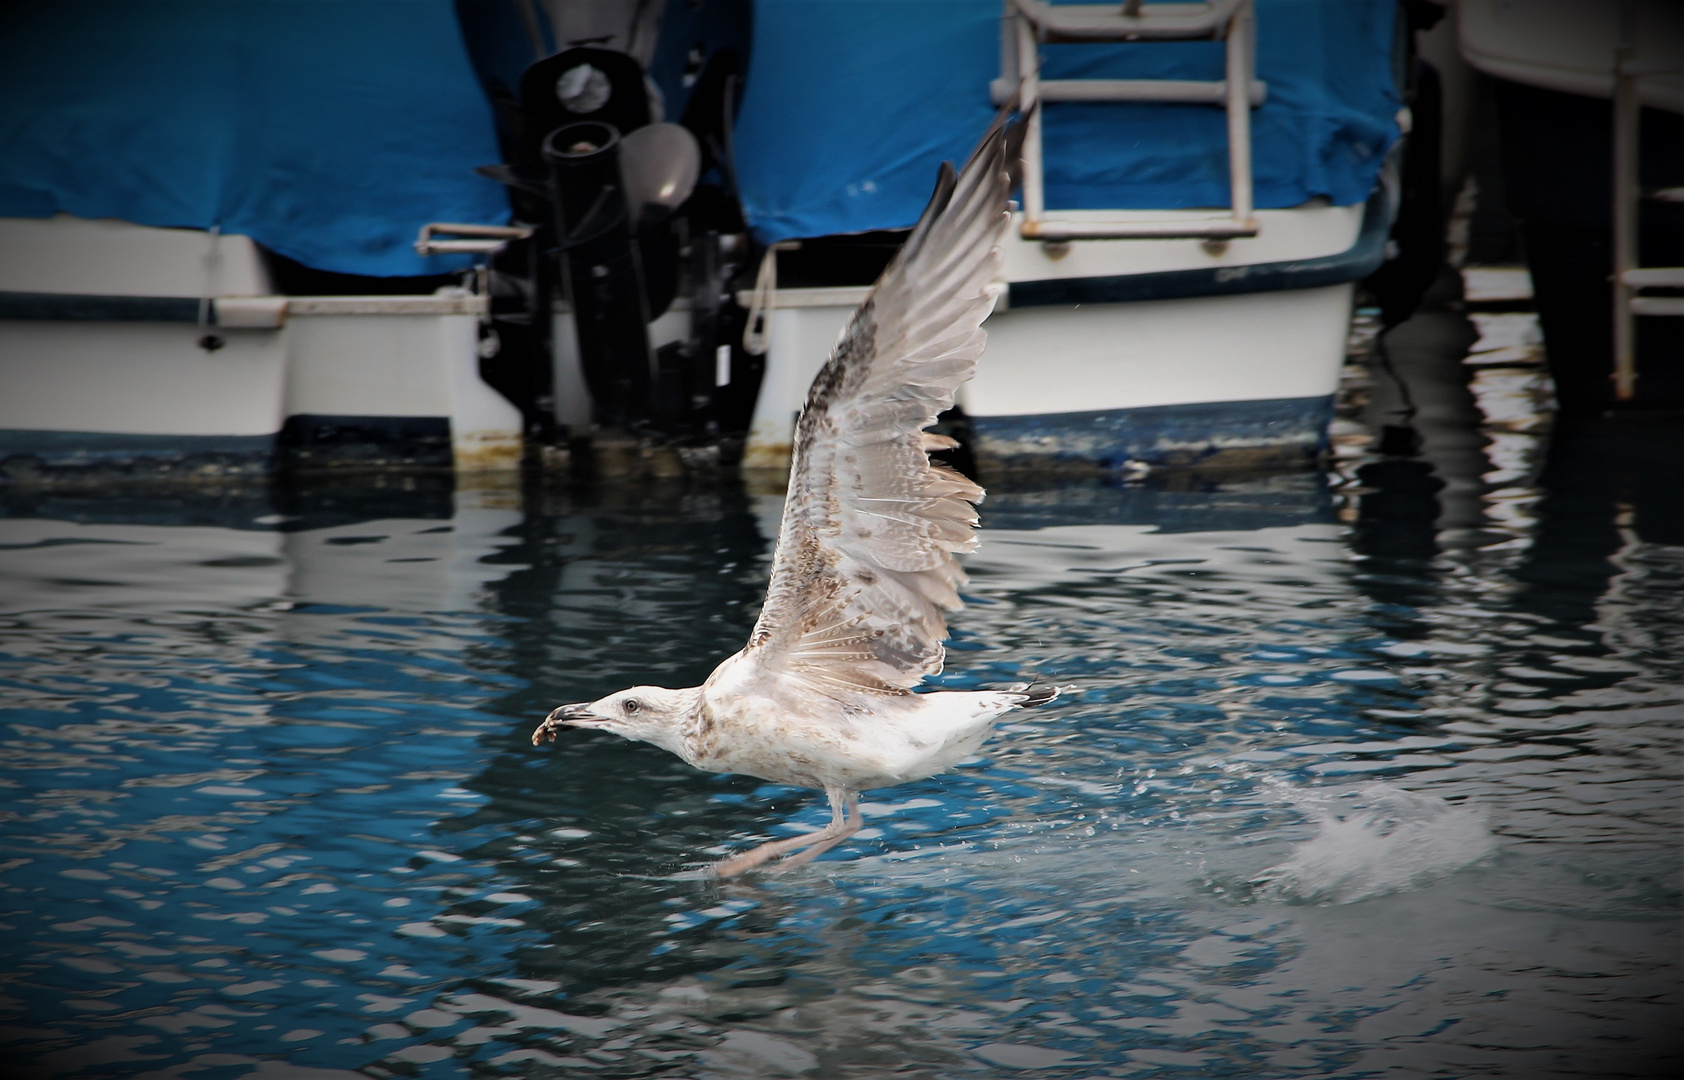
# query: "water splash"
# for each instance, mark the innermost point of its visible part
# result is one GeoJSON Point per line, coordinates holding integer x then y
{"type": "Point", "coordinates": [1375, 840]}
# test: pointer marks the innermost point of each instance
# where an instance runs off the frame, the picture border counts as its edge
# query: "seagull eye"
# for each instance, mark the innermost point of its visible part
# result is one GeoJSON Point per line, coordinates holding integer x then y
{"type": "Point", "coordinates": [632, 705]}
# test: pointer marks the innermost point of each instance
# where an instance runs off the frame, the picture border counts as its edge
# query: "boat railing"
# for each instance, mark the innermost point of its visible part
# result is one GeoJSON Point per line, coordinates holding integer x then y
{"type": "Point", "coordinates": [1029, 24]}
{"type": "Point", "coordinates": [480, 239]}
{"type": "Point", "coordinates": [1630, 278]}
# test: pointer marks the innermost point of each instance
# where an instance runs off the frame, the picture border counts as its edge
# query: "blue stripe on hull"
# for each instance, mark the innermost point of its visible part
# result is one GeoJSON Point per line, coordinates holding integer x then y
{"type": "Point", "coordinates": [1272, 433]}
{"type": "Point", "coordinates": [305, 442]}
{"type": "Point", "coordinates": [25, 453]}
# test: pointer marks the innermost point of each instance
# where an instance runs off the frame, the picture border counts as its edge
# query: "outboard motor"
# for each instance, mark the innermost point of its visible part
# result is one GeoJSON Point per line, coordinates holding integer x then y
{"type": "Point", "coordinates": [628, 212]}
{"type": "Point", "coordinates": [601, 272]}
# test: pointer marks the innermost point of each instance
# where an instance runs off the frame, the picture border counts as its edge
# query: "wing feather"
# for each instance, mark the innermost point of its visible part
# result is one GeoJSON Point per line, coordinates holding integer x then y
{"type": "Point", "coordinates": [865, 570]}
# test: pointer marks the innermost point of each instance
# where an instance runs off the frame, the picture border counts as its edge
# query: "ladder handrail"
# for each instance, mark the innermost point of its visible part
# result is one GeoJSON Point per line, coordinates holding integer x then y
{"type": "Point", "coordinates": [1232, 21]}
{"type": "Point", "coordinates": [1628, 277]}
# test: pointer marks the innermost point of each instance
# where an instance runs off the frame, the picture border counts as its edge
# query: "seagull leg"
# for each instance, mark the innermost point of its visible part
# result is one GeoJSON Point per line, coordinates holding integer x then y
{"type": "Point", "coordinates": [824, 839]}
{"type": "Point", "coordinates": [752, 858]}
{"type": "Point", "coordinates": [849, 828]}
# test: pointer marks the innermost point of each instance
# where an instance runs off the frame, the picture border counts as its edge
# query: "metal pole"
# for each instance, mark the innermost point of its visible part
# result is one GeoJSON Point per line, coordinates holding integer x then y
{"type": "Point", "coordinates": [1008, 50]}
{"type": "Point", "coordinates": [1240, 35]}
{"type": "Point", "coordinates": [1029, 67]}
{"type": "Point", "coordinates": [1625, 202]}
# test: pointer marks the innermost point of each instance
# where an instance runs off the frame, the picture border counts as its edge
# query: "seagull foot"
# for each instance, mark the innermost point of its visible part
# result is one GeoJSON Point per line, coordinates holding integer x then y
{"type": "Point", "coordinates": [819, 848]}
{"type": "Point", "coordinates": [845, 821]}
{"type": "Point", "coordinates": [748, 860]}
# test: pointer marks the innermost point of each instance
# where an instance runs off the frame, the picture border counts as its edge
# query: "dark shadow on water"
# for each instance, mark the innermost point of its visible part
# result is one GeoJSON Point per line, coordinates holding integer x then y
{"type": "Point", "coordinates": [1605, 482]}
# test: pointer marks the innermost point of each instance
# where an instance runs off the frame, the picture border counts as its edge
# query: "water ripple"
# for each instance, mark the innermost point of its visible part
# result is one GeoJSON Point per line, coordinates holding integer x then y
{"type": "Point", "coordinates": [270, 806]}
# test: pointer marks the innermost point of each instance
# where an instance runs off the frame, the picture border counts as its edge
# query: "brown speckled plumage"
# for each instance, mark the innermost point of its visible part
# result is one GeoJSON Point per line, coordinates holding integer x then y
{"type": "Point", "coordinates": [865, 568]}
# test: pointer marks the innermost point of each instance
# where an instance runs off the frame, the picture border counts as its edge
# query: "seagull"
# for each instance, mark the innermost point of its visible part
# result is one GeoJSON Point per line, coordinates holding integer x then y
{"type": "Point", "coordinates": [822, 695]}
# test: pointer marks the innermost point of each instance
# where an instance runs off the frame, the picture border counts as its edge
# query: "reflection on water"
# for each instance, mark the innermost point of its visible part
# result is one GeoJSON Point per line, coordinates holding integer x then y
{"type": "Point", "coordinates": [1330, 803]}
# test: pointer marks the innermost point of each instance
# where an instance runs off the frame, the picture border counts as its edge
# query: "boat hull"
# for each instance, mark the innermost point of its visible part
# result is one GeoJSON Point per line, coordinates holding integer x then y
{"type": "Point", "coordinates": [349, 382]}
{"type": "Point", "coordinates": [1137, 353]}
{"type": "Point", "coordinates": [1216, 381]}
{"type": "Point", "coordinates": [1279, 433]}
{"type": "Point", "coordinates": [1242, 380]}
{"type": "Point", "coordinates": [166, 353]}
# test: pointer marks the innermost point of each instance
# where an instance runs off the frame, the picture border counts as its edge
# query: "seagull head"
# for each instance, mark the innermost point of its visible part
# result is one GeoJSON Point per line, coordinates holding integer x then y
{"type": "Point", "coordinates": [651, 714]}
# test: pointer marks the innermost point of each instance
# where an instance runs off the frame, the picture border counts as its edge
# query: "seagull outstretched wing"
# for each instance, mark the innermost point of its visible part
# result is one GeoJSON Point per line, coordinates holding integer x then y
{"type": "Point", "coordinates": [865, 561]}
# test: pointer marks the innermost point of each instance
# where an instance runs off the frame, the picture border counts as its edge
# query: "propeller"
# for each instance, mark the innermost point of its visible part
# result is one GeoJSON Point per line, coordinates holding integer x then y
{"type": "Point", "coordinates": [659, 164]}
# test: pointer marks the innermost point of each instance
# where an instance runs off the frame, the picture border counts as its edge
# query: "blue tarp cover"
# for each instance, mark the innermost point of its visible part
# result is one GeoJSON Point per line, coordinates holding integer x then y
{"type": "Point", "coordinates": [852, 104]}
{"type": "Point", "coordinates": [328, 130]}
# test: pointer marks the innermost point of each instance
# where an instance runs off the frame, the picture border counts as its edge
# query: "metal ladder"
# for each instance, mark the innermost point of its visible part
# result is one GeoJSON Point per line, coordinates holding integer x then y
{"type": "Point", "coordinates": [1028, 24]}
{"type": "Point", "coordinates": [1629, 278]}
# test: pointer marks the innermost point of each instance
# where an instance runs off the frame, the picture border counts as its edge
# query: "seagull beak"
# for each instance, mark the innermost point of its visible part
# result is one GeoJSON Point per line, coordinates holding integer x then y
{"type": "Point", "coordinates": [567, 716]}
{"type": "Point", "coordinates": [571, 715]}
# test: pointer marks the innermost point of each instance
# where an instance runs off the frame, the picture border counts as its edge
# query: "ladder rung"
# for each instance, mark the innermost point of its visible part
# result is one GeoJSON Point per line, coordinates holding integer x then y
{"type": "Point", "coordinates": [1667, 194]}
{"type": "Point", "coordinates": [1178, 91]}
{"type": "Point", "coordinates": [1655, 277]}
{"type": "Point", "coordinates": [490, 239]}
{"type": "Point", "coordinates": [1067, 23]}
{"type": "Point", "coordinates": [1054, 231]}
{"type": "Point", "coordinates": [1657, 305]}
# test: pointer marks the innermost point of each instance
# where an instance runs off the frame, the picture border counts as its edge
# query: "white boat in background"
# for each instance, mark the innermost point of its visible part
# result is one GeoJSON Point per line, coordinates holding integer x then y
{"type": "Point", "coordinates": [167, 352]}
{"type": "Point", "coordinates": [1138, 336]}
{"type": "Point", "coordinates": [1197, 317]}
{"type": "Point", "coordinates": [1590, 98]}
{"type": "Point", "coordinates": [1168, 352]}
{"type": "Point", "coordinates": [209, 270]}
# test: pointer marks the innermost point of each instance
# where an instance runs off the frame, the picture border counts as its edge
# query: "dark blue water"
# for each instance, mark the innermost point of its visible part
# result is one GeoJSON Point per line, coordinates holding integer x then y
{"type": "Point", "coordinates": [1351, 788]}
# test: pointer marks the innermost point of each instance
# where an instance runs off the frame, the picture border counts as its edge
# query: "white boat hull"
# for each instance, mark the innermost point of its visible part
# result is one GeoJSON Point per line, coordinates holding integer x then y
{"type": "Point", "coordinates": [1103, 352]}
{"type": "Point", "coordinates": [321, 390]}
{"type": "Point", "coordinates": [114, 374]}
{"type": "Point", "coordinates": [1059, 384]}
{"type": "Point", "coordinates": [1245, 376]}
{"type": "Point", "coordinates": [1230, 380]}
